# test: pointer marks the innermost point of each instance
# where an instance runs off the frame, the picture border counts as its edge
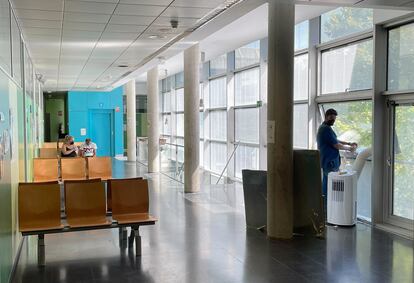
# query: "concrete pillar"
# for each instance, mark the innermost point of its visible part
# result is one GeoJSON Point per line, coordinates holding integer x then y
{"type": "Point", "coordinates": [191, 119]}
{"type": "Point", "coordinates": [131, 121]}
{"type": "Point", "coordinates": [280, 120]}
{"type": "Point", "coordinates": [153, 128]}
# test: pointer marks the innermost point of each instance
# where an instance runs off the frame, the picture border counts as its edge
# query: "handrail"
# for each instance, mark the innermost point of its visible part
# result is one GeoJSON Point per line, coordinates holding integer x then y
{"type": "Point", "coordinates": [228, 161]}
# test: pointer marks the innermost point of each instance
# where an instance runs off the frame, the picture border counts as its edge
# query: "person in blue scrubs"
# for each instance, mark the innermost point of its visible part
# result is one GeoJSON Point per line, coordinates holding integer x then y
{"type": "Point", "coordinates": [329, 146]}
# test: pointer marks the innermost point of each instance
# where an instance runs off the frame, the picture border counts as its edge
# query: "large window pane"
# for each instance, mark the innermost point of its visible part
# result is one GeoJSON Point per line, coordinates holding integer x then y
{"type": "Point", "coordinates": [179, 80]}
{"type": "Point", "coordinates": [166, 102]}
{"type": "Point", "coordinates": [218, 122]}
{"type": "Point", "coordinates": [201, 124]}
{"type": "Point", "coordinates": [166, 124]}
{"type": "Point", "coordinates": [247, 157]}
{"type": "Point", "coordinates": [403, 196]}
{"type": "Point", "coordinates": [17, 68]}
{"type": "Point", "coordinates": [247, 55]}
{"type": "Point", "coordinates": [401, 58]}
{"type": "Point", "coordinates": [247, 125]}
{"type": "Point", "coordinates": [218, 65]}
{"type": "Point", "coordinates": [302, 35]}
{"type": "Point", "coordinates": [354, 121]}
{"type": "Point", "coordinates": [180, 124]}
{"type": "Point", "coordinates": [300, 126]}
{"type": "Point", "coordinates": [180, 99]}
{"type": "Point", "coordinates": [300, 86]}
{"type": "Point", "coordinates": [347, 68]}
{"type": "Point", "coordinates": [247, 87]}
{"type": "Point", "coordinates": [344, 21]}
{"type": "Point", "coordinates": [218, 92]}
{"type": "Point", "coordinates": [218, 155]}
{"type": "Point", "coordinates": [5, 53]}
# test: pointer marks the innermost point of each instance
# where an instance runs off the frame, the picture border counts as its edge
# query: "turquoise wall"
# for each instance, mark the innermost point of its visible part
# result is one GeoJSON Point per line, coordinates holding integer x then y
{"type": "Point", "coordinates": [80, 103]}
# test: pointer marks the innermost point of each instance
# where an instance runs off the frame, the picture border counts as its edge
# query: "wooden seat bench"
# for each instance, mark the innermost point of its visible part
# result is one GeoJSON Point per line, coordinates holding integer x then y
{"type": "Point", "coordinates": [85, 205]}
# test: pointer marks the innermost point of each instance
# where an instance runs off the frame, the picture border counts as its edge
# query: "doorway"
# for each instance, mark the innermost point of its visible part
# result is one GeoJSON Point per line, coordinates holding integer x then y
{"type": "Point", "coordinates": [101, 127]}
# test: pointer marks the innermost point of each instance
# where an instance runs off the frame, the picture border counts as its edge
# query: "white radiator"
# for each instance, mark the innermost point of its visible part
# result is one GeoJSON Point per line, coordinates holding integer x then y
{"type": "Point", "coordinates": [342, 198]}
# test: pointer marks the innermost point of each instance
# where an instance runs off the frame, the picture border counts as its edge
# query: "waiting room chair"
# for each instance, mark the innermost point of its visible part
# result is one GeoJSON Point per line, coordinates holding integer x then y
{"type": "Point", "coordinates": [45, 169]}
{"type": "Point", "coordinates": [73, 168]}
{"type": "Point", "coordinates": [129, 200]}
{"type": "Point", "coordinates": [39, 206]}
{"type": "Point", "coordinates": [85, 203]}
{"type": "Point", "coordinates": [99, 167]}
{"type": "Point", "coordinates": [45, 152]}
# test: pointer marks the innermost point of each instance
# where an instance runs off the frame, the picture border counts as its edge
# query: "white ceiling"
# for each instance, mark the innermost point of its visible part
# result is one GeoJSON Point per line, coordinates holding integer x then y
{"type": "Point", "coordinates": [81, 44]}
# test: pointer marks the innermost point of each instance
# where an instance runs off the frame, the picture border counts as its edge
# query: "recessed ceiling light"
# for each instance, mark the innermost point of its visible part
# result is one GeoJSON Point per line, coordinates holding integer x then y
{"type": "Point", "coordinates": [156, 36]}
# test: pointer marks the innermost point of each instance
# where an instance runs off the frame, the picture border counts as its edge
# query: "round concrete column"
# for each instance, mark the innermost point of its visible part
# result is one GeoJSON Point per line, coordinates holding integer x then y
{"type": "Point", "coordinates": [131, 121]}
{"type": "Point", "coordinates": [153, 129]}
{"type": "Point", "coordinates": [191, 119]}
{"type": "Point", "coordinates": [280, 120]}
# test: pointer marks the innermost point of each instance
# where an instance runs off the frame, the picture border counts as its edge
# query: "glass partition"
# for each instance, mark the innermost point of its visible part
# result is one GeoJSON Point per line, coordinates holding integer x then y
{"type": "Point", "coordinates": [5, 52]}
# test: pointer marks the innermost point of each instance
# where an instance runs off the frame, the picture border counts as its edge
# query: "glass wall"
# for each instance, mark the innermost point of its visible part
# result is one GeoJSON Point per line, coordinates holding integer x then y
{"type": "Point", "coordinates": [401, 58]}
{"type": "Point", "coordinates": [345, 21]}
{"type": "Point", "coordinates": [347, 68]}
{"type": "Point", "coordinates": [247, 55]}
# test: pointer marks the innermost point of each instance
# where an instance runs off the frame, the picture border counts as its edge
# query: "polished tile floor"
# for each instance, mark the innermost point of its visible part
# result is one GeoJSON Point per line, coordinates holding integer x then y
{"type": "Point", "coordinates": [202, 238]}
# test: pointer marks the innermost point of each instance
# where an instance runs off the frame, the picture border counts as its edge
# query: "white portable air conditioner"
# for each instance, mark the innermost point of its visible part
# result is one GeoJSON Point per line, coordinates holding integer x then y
{"type": "Point", "coordinates": [342, 198]}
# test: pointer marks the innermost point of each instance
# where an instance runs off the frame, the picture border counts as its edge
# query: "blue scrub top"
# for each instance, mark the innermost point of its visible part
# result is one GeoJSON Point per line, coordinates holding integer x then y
{"type": "Point", "coordinates": [326, 138]}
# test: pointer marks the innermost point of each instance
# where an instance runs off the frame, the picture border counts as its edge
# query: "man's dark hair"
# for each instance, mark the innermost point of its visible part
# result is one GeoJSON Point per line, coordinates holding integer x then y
{"type": "Point", "coordinates": [331, 112]}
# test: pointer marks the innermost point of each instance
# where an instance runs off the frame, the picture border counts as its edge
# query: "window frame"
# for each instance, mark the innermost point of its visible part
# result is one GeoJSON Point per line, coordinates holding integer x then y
{"type": "Point", "coordinates": [337, 44]}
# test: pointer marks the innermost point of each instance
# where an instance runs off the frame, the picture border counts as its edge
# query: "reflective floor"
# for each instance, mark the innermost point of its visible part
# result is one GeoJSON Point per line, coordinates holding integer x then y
{"type": "Point", "coordinates": [202, 238]}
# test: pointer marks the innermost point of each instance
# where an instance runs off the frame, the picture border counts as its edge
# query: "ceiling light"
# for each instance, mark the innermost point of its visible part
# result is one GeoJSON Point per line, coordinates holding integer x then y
{"type": "Point", "coordinates": [122, 66]}
{"type": "Point", "coordinates": [156, 36]}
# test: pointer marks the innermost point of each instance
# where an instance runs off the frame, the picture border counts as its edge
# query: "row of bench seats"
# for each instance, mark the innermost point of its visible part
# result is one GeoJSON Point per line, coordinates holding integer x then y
{"type": "Point", "coordinates": [73, 168]}
{"type": "Point", "coordinates": [85, 207]}
{"type": "Point", "coordinates": [52, 149]}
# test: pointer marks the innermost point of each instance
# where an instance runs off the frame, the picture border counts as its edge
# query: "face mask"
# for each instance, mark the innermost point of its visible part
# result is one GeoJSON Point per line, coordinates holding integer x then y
{"type": "Point", "coordinates": [330, 122]}
{"type": "Point", "coordinates": [72, 142]}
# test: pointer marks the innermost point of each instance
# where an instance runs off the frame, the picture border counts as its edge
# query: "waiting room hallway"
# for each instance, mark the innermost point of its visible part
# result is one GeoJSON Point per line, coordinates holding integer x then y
{"type": "Point", "coordinates": [202, 238]}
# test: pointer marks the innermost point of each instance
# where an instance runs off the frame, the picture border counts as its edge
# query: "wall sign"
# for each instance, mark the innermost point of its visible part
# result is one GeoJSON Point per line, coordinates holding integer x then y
{"type": "Point", "coordinates": [117, 109]}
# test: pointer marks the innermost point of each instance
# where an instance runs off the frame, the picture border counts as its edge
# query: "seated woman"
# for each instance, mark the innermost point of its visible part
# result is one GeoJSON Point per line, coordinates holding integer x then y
{"type": "Point", "coordinates": [68, 148]}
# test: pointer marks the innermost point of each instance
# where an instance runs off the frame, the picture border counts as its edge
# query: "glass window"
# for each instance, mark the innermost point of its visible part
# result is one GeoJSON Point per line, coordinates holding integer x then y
{"type": "Point", "coordinates": [166, 84]}
{"type": "Point", "coordinates": [180, 99]}
{"type": "Point", "coordinates": [201, 153]}
{"type": "Point", "coordinates": [218, 93]}
{"type": "Point", "coordinates": [218, 156]}
{"type": "Point", "coordinates": [247, 125]}
{"type": "Point", "coordinates": [302, 35]}
{"type": "Point", "coordinates": [247, 87]}
{"type": "Point", "coordinates": [17, 69]}
{"type": "Point", "coordinates": [180, 124]}
{"type": "Point", "coordinates": [5, 52]}
{"type": "Point", "coordinates": [300, 87]}
{"type": "Point", "coordinates": [344, 21]}
{"type": "Point", "coordinates": [218, 65]}
{"type": "Point", "coordinates": [347, 68]}
{"type": "Point", "coordinates": [354, 121]}
{"type": "Point", "coordinates": [247, 157]}
{"type": "Point", "coordinates": [166, 124]}
{"type": "Point", "coordinates": [166, 102]}
{"type": "Point", "coordinates": [179, 80]}
{"type": "Point", "coordinates": [300, 126]}
{"type": "Point", "coordinates": [247, 55]}
{"type": "Point", "coordinates": [403, 192]}
{"type": "Point", "coordinates": [201, 121]}
{"type": "Point", "coordinates": [401, 58]}
{"type": "Point", "coordinates": [218, 122]}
